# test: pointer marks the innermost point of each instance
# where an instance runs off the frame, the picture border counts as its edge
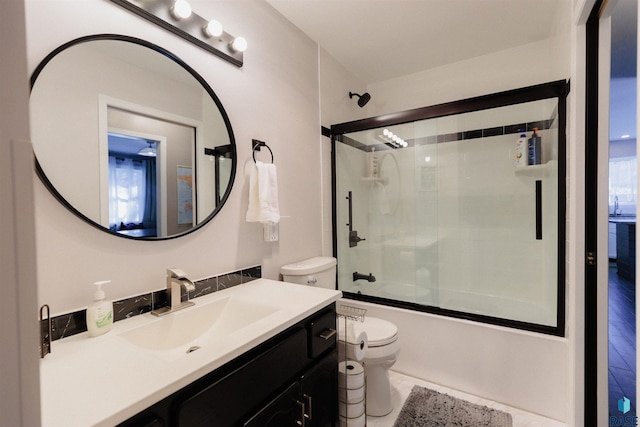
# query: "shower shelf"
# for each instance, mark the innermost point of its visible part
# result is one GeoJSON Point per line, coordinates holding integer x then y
{"type": "Point", "coordinates": [536, 170]}
{"type": "Point", "coordinates": [351, 313]}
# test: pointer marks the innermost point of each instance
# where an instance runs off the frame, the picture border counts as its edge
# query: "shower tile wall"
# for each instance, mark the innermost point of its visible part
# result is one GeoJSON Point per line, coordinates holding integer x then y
{"type": "Point", "coordinates": [487, 241]}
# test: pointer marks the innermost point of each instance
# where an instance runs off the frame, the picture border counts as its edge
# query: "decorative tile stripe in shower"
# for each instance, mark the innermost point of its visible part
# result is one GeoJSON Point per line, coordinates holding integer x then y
{"type": "Point", "coordinates": [455, 136]}
{"type": "Point", "coordinates": [482, 133]}
{"type": "Point", "coordinates": [69, 324]}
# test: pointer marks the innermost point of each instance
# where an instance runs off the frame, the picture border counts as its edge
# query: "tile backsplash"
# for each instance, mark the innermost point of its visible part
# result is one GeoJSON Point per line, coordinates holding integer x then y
{"type": "Point", "coordinates": [69, 324]}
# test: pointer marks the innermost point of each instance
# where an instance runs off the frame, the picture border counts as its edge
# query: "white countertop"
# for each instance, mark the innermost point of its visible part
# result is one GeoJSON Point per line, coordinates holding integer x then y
{"type": "Point", "coordinates": [623, 219]}
{"type": "Point", "coordinates": [105, 380]}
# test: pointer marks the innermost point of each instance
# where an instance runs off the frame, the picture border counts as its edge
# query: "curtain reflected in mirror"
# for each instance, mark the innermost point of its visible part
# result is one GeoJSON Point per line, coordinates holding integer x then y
{"type": "Point", "coordinates": [168, 146]}
{"type": "Point", "coordinates": [132, 186]}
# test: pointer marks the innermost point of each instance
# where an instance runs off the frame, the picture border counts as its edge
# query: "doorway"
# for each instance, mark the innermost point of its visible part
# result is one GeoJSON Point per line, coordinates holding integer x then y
{"type": "Point", "coordinates": [132, 185]}
{"type": "Point", "coordinates": [622, 200]}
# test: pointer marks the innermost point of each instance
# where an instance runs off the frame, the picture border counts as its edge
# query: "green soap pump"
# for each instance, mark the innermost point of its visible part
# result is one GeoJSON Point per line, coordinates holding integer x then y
{"type": "Point", "coordinates": [99, 312]}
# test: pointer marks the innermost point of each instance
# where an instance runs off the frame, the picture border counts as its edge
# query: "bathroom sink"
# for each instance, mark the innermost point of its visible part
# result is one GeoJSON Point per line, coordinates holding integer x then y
{"type": "Point", "coordinates": [201, 322]}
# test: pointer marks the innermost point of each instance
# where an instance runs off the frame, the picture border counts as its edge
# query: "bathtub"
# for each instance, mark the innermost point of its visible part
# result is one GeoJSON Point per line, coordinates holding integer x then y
{"type": "Point", "coordinates": [519, 368]}
{"type": "Point", "coordinates": [461, 301]}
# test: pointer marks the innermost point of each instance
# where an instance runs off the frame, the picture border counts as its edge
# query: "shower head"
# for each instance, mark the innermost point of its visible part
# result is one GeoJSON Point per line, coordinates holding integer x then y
{"type": "Point", "coordinates": [363, 99]}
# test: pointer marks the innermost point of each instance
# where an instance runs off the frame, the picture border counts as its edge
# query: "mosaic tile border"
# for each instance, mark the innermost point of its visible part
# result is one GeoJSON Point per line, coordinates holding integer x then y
{"type": "Point", "coordinates": [74, 323]}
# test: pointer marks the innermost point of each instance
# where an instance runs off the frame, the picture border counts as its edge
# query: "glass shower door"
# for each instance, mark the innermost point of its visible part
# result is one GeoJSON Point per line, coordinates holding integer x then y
{"type": "Point", "coordinates": [441, 215]}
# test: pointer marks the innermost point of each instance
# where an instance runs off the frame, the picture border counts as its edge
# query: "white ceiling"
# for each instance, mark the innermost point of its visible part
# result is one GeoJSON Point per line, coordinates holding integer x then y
{"type": "Point", "coordinates": [378, 40]}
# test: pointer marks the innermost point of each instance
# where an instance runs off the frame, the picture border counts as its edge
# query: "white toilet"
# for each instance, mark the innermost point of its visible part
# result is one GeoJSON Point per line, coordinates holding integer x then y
{"type": "Point", "coordinates": [382, 335]}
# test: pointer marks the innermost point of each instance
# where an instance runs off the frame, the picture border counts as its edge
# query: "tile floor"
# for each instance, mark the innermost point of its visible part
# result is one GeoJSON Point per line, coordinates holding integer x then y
{"type": "Point", "coordinates": [622, 341]}
{"type": "Point", "coordinates": [401, 387]}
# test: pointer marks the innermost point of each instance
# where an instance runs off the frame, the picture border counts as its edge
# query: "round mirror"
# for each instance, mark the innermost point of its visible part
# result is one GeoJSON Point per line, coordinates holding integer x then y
{"type": "Point", "coordinates": [130, 138]}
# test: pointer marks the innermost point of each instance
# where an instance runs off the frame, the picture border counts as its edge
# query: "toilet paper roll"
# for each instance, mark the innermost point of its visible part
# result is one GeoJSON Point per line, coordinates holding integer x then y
{"type": "Point", "coordinates": [350, 375]}
{"type": "Point", "coordinates": [361, 421]}
{"type": "Point", "coordinates": [354, 395]}
{"type": "Point", "coordinates": [351, 410]}
{"type": "Point", "coordinates": [347, 350]}
{"type": "Point", "coordinates": [353, 344]}
{"type": "Point", "coordinates": [353, 331]}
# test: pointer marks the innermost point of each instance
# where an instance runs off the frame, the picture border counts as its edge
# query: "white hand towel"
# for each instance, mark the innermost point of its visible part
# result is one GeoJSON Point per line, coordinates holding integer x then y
{"type": "Point", "coordinates": [263, 194]}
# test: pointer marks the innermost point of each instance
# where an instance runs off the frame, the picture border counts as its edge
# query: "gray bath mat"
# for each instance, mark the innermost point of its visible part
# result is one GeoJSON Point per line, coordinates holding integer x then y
{"type": "Point", "coordinates": [428, 408]}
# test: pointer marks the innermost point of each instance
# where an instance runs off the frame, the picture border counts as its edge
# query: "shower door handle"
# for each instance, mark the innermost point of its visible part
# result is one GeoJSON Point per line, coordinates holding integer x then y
{"type": "Point", "coordinates": [353, 234]}
{"type": "Point", "coordinates": [538, 209]}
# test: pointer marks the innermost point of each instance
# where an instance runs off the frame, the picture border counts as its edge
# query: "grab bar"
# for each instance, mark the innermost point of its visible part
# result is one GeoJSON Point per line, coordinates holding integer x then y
{"type": "Point", "coordinates": [353, 234]}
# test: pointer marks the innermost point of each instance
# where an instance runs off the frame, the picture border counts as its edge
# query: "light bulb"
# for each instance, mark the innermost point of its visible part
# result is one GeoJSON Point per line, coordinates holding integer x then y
{"type": "Point", "coordinates": [212, 29]}
{"type": "Point", "coordinates": [181, 9]}
{"type": "Point", "coordinates": [385, 132]}
{"type": "Point", "coordinates": [239, 44]}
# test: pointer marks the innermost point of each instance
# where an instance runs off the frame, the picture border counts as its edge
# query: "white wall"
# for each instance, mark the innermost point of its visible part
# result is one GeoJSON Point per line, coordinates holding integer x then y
{"type": "Point", "coordinates": [335, 107]}
{"type": "Point", "coordinates": [535, 63]}
{"type": "Point", "coordinates": [273, 97]}
{"type": "Point", "coordinates": [19, 376]}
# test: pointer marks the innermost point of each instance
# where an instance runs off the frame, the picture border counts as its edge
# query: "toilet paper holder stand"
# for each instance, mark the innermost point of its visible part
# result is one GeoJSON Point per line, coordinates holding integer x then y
{"type": "Point", "coordinates": [356, 314]}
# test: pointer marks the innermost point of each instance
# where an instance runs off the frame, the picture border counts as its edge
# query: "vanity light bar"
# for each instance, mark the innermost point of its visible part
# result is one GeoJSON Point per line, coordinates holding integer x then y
{"type": "Point", "coordinates": [177, 17]}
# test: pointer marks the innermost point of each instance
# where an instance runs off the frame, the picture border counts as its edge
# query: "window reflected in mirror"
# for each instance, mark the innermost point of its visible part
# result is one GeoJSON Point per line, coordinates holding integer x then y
{"type": "Point", "coordinates": [132, 185]}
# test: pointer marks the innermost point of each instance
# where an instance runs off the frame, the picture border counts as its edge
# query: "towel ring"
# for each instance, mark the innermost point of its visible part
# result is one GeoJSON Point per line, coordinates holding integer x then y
{"type": "Point", "coordinates": [255, 144]}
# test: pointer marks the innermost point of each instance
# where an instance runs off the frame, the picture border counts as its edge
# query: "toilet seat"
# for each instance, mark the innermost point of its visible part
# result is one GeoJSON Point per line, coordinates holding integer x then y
{"type": "Point", "coordinates": [380, 332]}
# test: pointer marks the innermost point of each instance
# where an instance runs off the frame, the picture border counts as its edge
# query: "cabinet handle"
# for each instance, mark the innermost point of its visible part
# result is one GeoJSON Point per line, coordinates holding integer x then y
{"type": "Point", "coordinates": [327, 333]}
{"type": "Point", "coordinates": [302, 421]}
{"type": "Point", "coordinates": [308, 415]}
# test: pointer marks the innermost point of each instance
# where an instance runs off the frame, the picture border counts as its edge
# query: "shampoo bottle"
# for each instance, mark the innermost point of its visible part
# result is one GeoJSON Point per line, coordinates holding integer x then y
{"type": "Point", "coordinates": [535, 148]}
{"type": "Point", "coordinates": [99, 312]}
{"type": "Point", "coordinates": [521, 150]}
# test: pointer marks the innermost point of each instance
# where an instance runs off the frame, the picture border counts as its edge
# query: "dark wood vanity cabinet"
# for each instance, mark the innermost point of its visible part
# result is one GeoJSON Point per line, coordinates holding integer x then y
{"type": "Point", "coordinates": [309, 402]}
{"type": "Point", "coordinates": [290, 380]}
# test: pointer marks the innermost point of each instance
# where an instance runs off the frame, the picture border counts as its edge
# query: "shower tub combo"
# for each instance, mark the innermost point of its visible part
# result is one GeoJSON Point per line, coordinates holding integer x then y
{"type": "Point", "coordinates": [441, 227]}
{"type": "Point", "coordinates": [436, 209]}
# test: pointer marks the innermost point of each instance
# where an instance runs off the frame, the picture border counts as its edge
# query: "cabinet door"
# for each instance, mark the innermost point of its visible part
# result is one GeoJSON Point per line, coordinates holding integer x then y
{"type": "Point", "coordinates": [226, 402]}
{"type": "Point", "coordinates": [320, 392]}
{"type": "Point", "coordinates": [286, 410]}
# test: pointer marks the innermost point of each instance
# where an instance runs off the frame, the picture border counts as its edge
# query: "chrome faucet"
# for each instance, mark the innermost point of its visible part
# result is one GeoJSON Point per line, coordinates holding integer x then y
{"type": "Point", "coordinates": [616, 207]}
{"type": "Point", "coordinates": [176, 281]}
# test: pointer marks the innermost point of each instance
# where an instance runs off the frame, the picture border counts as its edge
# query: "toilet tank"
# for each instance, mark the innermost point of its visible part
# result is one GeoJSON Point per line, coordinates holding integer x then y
{"type": "Point", "coordinates": [318, 271]}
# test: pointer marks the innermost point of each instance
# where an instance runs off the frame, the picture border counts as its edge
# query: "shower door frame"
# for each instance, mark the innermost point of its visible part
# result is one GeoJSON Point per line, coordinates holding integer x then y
{"type": "Point", "coordinates": [557, 89]}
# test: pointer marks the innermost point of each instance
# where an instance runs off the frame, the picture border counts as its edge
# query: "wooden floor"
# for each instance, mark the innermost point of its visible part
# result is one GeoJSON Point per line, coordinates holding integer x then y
{"type": "Point", "coordinates": [622, 342]}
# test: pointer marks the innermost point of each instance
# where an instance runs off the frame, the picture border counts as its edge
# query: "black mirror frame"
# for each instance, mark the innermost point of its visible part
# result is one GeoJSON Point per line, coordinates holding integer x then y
{"type": "Point", "coordinates": [117, 37]}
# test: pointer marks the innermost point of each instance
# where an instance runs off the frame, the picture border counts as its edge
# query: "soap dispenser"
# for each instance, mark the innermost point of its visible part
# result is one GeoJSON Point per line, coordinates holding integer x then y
{"type": "Point", "coordinates": [99, 312]}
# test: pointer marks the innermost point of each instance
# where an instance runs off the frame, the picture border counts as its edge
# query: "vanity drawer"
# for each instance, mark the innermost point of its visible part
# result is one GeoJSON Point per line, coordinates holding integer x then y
{"type": "Point", "coordinates": [225, 402]}
{"type": "Point", "coordinates": [322, 333]}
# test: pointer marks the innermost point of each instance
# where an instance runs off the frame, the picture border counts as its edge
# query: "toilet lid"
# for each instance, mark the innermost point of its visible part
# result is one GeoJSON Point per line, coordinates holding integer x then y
{"type": "Point", "coordinates": [380, 332]}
